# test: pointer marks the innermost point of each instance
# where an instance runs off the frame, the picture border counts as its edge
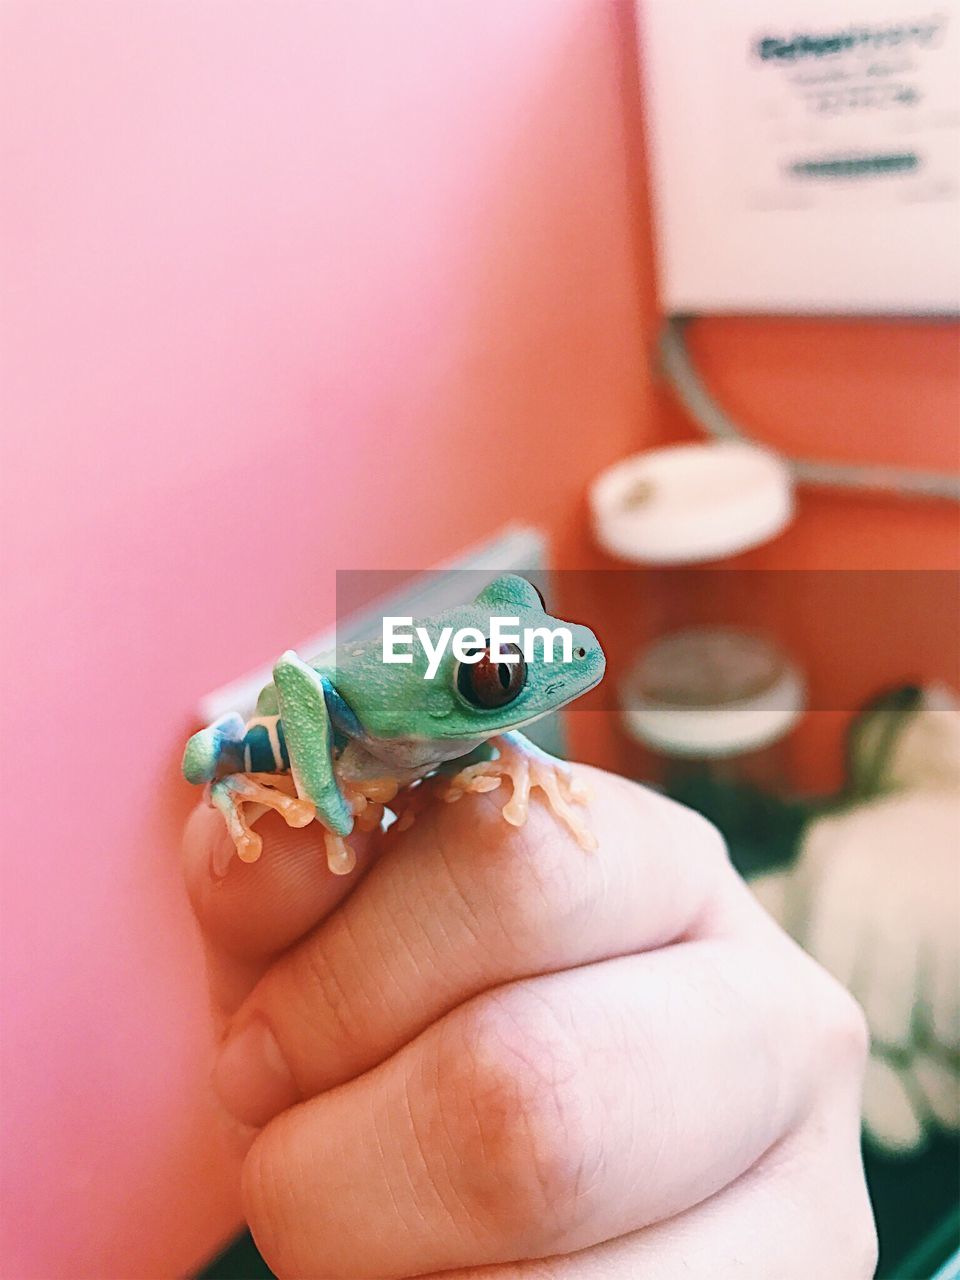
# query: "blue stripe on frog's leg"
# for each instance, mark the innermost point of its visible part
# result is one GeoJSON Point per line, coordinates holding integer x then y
{"type": "Point", "coordinates": [302, 698]}
{"type": "Point", "coordinates": [265, 746]}
{"type": "Point", "coordinates": [231, 746]}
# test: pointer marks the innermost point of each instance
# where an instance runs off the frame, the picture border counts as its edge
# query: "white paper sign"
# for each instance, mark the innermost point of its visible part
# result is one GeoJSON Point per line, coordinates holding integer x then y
{"type": "Point", "coordinates": [806, 155]}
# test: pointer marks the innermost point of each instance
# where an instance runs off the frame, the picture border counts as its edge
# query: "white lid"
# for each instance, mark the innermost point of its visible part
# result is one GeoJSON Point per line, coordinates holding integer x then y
{"type": "Point", "coordinates": [691, 502]}
{"type": "Point", "coordinates": [711, 692]}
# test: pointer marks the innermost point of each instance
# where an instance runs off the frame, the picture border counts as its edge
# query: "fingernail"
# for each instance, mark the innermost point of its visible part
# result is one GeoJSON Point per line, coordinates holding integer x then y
{"type": "Point", "coordinates": [251, 1077]}
{"type": "Point", "coordinates": [208, 850]}
{"type": "Point", "coordinates": [222, 853]}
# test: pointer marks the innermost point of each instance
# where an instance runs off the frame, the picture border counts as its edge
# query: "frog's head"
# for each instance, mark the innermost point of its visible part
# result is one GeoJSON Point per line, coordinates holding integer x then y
{"type": "Point", "coordinates": [547, 672]}
{"type": "Point", "coordinates": [490, 694]}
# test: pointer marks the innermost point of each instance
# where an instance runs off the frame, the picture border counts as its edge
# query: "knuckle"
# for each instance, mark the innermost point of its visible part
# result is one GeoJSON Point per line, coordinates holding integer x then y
{"type": "Point", "coordinates": [852, 1030]}
{"type": "Point", "coordinates": [843, 1238]}
{"type": "Point", "coordinates": [704, 841]}
{"type": "Point", "coordinates": [844, 1028]}
{"type": "Point", "coordinates": [833, 1025]}
{"type": "Point", "coordinates": [685, 832]}
{"type": "Point", "coordinates": [516, 1105]}
{"type": "Point", "coordinates": [854, 1234]}
{"type": "Point", "coordinates": [692, 839]}
{"type": "Point", "coordinates": [866, 1246]}
{"type": "Point", "coordinates": [831, 1228]}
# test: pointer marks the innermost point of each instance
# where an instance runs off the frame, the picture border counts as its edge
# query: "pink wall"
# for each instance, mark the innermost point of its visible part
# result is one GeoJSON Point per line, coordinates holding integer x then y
{"type": "Point", "coordinates": [295, 286]}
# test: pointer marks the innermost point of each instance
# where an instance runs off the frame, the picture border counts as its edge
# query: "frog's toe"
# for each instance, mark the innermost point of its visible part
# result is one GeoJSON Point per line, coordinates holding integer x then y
{"type": "Point", "coordinates": [527, 767]}
{"type": "Point", "coordinates": [341, 859]}
{"type": "Point", "coordinates": [562, 790]}
{"type": "Point", "coordinates": [414, 800]}
{"type": "Point", "coordinates": [367, 799]}
{"type": "Point", "coordinates": [275, 791]}
{"type": "Point", "coordinates": [572, 788]}
{"type": "Point", "coordinates": [474, 780]}
{"type": "Point", "coordinates": [246, 841]}
{"type": "Point", "coordinates": [261, 792]}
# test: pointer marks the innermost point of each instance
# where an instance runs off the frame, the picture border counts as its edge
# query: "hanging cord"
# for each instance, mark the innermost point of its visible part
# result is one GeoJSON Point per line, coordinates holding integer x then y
{"type": "Point", "coordinates": [678, 367]}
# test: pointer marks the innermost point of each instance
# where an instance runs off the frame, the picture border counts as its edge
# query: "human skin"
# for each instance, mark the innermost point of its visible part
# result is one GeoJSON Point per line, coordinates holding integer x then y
{"type": "Point", "coordinates": [489, 1054]}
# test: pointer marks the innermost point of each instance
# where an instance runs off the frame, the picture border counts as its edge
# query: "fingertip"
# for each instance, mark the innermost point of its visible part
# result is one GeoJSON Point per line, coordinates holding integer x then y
{"type": "Point", "coordinates": [205, 844]}
{"type": "Point", "coordinates": [256, 909]}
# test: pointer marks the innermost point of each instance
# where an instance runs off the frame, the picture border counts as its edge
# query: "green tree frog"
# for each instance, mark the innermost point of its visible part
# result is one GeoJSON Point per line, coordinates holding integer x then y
{"type": "Point", "coordinates": [335, 741]}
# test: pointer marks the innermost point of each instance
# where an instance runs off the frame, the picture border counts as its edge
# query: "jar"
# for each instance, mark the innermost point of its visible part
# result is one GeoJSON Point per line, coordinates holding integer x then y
{"type": "Point", "coordinates": [713, 706]}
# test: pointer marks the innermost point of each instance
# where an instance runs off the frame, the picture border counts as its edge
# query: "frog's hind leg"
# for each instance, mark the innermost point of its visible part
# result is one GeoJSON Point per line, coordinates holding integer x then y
{"type": "Point", "coordinates": [217, 749]}
{"type": "Point", "coordinates": [527, 767]}
{"type": "Point", "coordinates": [262, 791]}
{"type": "Point", "coordinates": [302, 698]}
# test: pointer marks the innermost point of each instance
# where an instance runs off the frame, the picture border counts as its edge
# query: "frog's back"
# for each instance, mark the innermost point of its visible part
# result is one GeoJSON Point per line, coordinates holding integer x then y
{"type": "Point", "coordinates": [267, 704]}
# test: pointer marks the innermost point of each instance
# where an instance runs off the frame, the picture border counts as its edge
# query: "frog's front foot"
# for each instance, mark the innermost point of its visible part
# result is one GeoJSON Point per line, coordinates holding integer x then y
{"type": "Point", "coordinates": [263, 791]}
{"type": "Point", "coordinates": [526, 767]}
{"type": "Point", "coordinates": [366, 800]}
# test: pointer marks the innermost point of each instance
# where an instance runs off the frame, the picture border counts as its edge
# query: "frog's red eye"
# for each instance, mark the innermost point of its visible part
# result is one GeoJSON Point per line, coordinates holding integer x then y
{"type": "Point", "coordinates": [488, 683]}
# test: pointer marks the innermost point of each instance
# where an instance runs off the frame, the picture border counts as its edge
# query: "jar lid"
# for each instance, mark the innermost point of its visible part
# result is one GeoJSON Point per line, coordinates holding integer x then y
{"type": "Point", "coordinates": [711, 692]}
{"type": "Point", "coordinates": [691, 502]}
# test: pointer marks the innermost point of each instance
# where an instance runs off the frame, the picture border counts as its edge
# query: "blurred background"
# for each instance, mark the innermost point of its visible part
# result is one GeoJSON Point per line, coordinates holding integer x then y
{"type": "Point", "coordinates": [292, 288]}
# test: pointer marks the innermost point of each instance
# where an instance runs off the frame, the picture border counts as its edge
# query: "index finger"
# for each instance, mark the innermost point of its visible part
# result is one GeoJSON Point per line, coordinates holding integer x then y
{"type": "Point", "coordinates": [256, 910]}
{"type": "Point", "coordinates": [461, 903]}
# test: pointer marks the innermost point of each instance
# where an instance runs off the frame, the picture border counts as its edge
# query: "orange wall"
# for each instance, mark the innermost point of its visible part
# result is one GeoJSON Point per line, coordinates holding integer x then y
{"type": "Point", "coordinates": [853, 390]}
{"type": "Point", "coordinates": [882, 391]}
{"type": "Point", "coordinates": [863, 391]}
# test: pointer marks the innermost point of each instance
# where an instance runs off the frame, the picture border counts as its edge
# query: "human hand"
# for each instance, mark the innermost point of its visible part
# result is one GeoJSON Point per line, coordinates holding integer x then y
{"type": "Point", "coordinates": [492, 1055]}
